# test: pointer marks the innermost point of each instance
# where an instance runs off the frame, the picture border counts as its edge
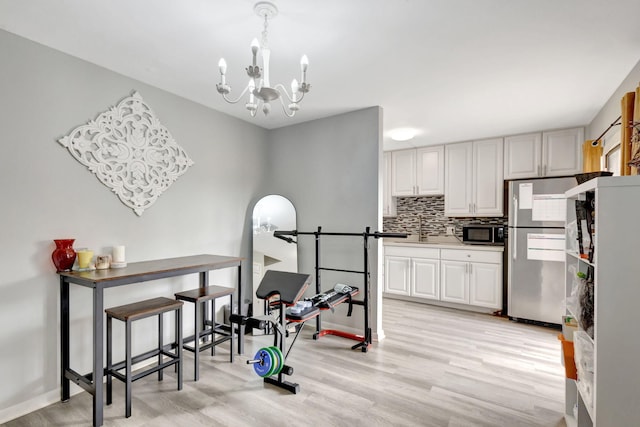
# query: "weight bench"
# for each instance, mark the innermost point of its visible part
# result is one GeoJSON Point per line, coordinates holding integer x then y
{"type": "Point", "coordinates": [269, 362]}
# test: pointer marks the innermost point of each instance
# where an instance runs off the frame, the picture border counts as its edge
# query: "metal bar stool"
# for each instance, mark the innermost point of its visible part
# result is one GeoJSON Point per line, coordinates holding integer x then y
{"type": "Point", "coordinates": [136, 311]}
{"type": "Point", "coordinates": [199, 297]}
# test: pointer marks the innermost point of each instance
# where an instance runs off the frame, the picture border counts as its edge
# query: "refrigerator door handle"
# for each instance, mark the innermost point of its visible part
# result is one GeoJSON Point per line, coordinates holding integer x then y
{"type": "Point", "coordinates": [515, 223]}
{"type": "Point", "coordinates": [515, 210]}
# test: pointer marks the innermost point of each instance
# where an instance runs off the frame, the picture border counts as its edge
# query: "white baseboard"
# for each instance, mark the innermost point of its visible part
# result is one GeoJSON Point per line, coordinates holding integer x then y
{"type": "Point", "coordinates": [51, 397]}
{"type": "Point", "coordinates": [26, 407]}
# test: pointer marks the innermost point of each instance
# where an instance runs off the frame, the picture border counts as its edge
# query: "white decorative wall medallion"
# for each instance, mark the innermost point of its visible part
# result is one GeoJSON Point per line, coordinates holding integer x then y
{"type": "Point", "coordinates": [129, 151]}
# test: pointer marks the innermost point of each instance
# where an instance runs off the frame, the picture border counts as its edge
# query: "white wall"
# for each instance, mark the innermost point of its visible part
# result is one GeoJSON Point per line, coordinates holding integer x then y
{"type": "Point", "coordinates": [46, 194]}
{"type": "Point", "coordinates": [329, 169]}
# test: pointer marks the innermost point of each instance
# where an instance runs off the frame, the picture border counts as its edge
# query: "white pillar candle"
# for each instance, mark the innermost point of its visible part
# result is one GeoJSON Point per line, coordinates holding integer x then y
{"type": "Point", "coordinates": [118, 254]}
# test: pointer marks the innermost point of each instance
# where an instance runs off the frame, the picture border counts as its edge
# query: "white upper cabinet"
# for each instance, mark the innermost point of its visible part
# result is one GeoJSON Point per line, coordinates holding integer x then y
{"type": "Point", "coordinates": [417, 172]}
{"type": "Point", "coordinates": [546, 154]}
{"type": "Point", "coordinates": [389, 203]}
{"type": "Point", "coordinates": [488, 182]}
{"type": "Point", "coordinates": [403, 173]}
{"type": "Point", "coordinates": [458, 179]}
{"type": "Point", "coordinates": [430, 171]}
{"type": "Point", "coordinates": [562, 152]}
{"type": "Point", "coordinates": [522, 156]}
{"type": "Point", "coordinates": [474, 178]}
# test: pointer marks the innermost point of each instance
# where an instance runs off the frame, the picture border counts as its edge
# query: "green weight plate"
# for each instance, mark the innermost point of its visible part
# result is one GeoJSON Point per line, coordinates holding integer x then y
{"type": "Point", "coordinates": [280, 358]}
{"type": "Point", "coordinates": [273, 361]}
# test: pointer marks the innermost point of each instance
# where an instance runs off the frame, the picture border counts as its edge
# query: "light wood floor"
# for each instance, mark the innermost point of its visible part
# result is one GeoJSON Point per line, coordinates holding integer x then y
{"type": "Point", "coordinates": [436, 367]}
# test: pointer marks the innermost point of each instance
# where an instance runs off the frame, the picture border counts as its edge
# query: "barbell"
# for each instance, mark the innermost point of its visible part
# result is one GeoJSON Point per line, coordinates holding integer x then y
{"type": "Point", "coordinates": [268, 361]}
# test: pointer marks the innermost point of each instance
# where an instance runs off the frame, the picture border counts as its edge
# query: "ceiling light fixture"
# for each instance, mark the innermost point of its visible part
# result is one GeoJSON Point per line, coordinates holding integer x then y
{"type": "Point", "coordinates": [259, 86]}
{"type": "Point", "coordinates": [402, 134]}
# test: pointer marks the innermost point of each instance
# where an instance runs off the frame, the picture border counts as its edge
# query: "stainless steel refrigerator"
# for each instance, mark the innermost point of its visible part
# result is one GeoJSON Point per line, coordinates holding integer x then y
{"type": "Point", "coordinates": [536, 249]}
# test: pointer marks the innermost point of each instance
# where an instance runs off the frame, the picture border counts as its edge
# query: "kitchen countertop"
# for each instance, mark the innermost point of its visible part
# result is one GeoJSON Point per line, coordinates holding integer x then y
{"type": "Point", "coordinates": [439, 242]}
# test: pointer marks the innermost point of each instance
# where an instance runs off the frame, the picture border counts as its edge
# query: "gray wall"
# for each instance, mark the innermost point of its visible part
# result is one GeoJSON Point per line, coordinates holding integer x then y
{"type": "Point", "coordinates": [612, 109]}
{"type": "Point", "coordinates": [47, 194]}
{"type": "Point", "coordinates": [328, 168]}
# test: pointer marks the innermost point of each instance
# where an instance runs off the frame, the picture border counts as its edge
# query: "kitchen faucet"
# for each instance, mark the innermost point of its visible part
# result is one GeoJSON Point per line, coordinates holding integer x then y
{"type": "Point", "coordinates": [419, 228]}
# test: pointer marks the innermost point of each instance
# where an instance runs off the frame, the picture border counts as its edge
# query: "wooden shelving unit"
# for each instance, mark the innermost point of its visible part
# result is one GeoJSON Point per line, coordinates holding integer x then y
{"type": "Point", "coordinates": [616, 275]}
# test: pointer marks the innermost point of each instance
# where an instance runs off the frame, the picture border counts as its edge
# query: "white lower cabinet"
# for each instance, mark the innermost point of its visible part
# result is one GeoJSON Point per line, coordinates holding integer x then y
{"type": "Point", "coordinates": [455, 282]}
{"type": "Point", "coordinates": [425, 275]}
{"type": "Point", "coordinates": [485, 286]}
{"type": "Point", "coordinates": [461, 276]}
{"type": "Point", "coordinates": [397, 275]}
{"type": "Point", "coordinates": [412, 272]}
{"type": "Point", "coordinates": [472, 277]}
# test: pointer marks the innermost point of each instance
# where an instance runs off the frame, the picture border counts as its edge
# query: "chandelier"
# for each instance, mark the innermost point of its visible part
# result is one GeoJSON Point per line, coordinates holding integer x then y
{"type": "Point", "coordinates": [259, 87]}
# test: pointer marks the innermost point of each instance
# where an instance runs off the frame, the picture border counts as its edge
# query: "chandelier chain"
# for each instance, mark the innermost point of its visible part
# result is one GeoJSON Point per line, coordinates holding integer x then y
{"type": "Point", "coordinates": [264, 40]}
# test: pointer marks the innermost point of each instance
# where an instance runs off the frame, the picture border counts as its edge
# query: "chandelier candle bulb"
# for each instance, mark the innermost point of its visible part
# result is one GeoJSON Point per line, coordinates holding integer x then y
{"type": "Point", "coordinates": [304, 63]}
{"type": "Point", "coordinates": [222, 65]}
{"type": "Point", "coordinates": [255, 45]}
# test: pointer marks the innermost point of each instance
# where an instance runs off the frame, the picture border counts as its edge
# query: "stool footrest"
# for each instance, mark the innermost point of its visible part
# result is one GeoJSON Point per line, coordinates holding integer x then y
{"type": "Point", "coordinates": [208, 332]}
{"type": "Point", "coordinates": [141, 357]}
{"type": "Point", "coordinates": [207, 345]}
{"type": "Point", "coordinates": [145, 372]}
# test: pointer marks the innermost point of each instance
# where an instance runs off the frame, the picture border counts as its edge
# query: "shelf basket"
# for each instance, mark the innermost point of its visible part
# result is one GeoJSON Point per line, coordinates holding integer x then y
{"type": "Point", "coordinates": [584, 177]}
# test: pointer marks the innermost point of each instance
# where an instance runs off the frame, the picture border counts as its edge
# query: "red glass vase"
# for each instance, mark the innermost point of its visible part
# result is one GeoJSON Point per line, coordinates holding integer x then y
{"type": "Point", "coordinates": [63, 256]}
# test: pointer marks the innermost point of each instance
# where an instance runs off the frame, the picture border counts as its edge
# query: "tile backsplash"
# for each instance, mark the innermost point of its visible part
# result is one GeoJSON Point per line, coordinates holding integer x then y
{"type": "Point", "coordinates": [434, 222]}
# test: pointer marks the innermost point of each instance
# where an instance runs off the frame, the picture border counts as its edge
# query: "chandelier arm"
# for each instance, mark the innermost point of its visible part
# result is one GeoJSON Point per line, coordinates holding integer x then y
{"type": "Point", "coordinates": [301, 97]}
{"type": "Point", "coordinates": [230, 101]}
{"type": "Point", "coordinates": [286, 110]}
{"type": "Point", "coordinates": [282, 90]}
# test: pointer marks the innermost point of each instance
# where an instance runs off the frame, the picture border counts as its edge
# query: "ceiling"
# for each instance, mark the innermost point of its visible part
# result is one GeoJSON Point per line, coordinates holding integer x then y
{"type": "Point", "coordinates": [454, 70]}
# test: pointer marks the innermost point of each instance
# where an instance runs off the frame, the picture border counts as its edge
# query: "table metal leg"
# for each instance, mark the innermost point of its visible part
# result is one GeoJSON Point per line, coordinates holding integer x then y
{"type": "Point", "coordinates": [98, 362]}
{"type": "Point", "coordinates": [64, 338]}
{"type": "Point", "coordinates": [239, 311]}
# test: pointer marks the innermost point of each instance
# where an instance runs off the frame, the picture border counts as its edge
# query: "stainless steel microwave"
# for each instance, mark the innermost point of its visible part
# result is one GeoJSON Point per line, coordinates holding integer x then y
{"type": "Point", "coordinates": [483, 234]}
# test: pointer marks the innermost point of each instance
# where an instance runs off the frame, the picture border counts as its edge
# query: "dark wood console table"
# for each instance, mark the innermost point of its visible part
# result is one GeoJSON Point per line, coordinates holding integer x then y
{"type": "Point", "coordinates": [136, 272]}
